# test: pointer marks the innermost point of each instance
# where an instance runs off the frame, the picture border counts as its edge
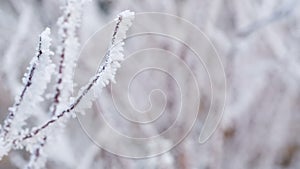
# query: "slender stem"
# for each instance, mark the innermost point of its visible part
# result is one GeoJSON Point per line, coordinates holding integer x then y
{"type": "Point", "coordinates": [70, 108]}
{"type": "Point", "coordinates": [12, 112]}
{"type": "Point", "coordinates": [60, 71]}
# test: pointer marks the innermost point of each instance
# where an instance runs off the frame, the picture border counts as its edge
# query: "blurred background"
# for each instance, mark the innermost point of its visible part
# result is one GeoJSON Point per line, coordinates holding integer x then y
{"type": "Point", "coordinates": [257, 41]}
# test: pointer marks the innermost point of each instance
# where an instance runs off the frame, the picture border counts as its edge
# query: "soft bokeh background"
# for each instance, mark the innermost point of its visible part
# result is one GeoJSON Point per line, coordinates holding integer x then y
{"type": "Point", "coordinates": [258, 42]}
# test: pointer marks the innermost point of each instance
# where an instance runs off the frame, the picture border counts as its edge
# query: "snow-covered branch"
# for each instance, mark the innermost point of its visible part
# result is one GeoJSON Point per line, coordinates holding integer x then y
{"type": "Point", "coordinates": [67, 52]}
{"type": "Point", "coordinates": [13, 133]}
{"type": "Point", "coordinates": [106, 73]}
{"type": "Point", "coordinates": [35, 83]}
{"type": "Point", "coordinates": [68, 24]}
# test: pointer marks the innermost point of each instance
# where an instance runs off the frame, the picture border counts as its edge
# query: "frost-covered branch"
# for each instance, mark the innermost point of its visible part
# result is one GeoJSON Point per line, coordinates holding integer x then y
{"type": "Point", "coordinates": [104, 75]}
{"type": "Point", "coordinates": [67, 52]}
{"type": "Point", "coordinates": [38, 157]}
{"type": "Point", "coordinates": [15, 134]}
{"type": "Point", "coordinates": [68, 24]}
{"type": "Point", "coordinates": [35, 83]}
